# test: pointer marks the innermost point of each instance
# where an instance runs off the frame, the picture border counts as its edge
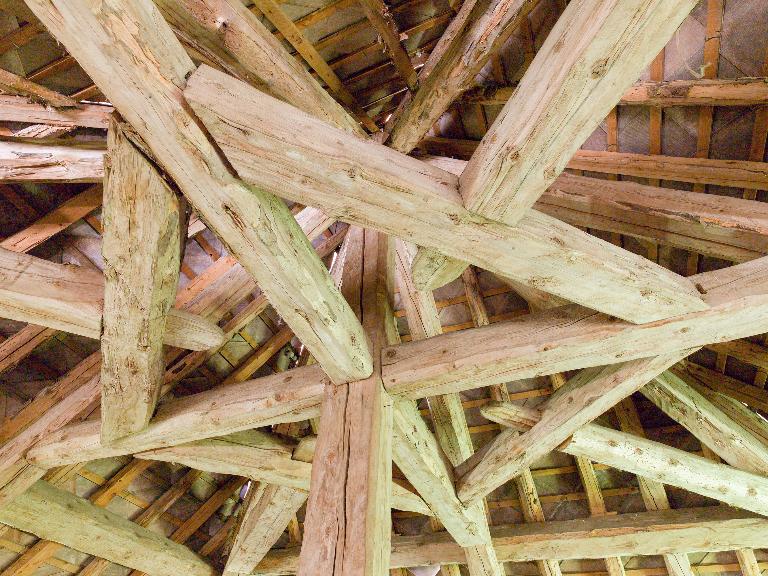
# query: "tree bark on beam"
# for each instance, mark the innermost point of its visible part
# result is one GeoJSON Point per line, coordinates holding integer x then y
{"type": "Point", "coordinates": [52, 514]}
{"type": "Point", "coordinates": [373, 186]}
{"type": "Point", "coordinates": [592, 55]}
{"type": "Point", "coordinates": [583, 398]}
{"type": "Point", "coordinates": [642, 533]}
{"type": "Point", "coordinates": [571, 337]}
{"type": "Point", "coordinates": [257, 227]}
{"type": "Point", "coordinates": [69, 298]}
{"type": "Point", "coordinates": [348, 524]}
{"type": "Point", "coordinates": [144, 235]}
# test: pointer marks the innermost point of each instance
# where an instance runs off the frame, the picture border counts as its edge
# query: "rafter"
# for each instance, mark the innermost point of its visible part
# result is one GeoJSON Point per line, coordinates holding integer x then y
{"type": "Point", "coordinates": [426, 203]}
{"type": "Point", "coordinates": [257, 227]}
{"type": "Point", "coordinates": [591, 57]}
{"type": "Point", "coordinates": [50, 513]}
{"type": "Point", "coordinates": [26, 161]}
{"type": "Point", "coordinates": [22, 109]}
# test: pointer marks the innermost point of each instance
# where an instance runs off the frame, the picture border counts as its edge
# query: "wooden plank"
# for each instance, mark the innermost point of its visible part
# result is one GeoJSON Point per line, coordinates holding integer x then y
{"type": "Point", "coordinates": [659, 93]}
{"type": "Point", "coordinates": [586, 396]}
{"type": "Point", "coordinates": [309, 53]}
{"type": "Point", "coordinates": [21, 109]}
{"type": "Point", "coordinates": [50, 513]}
{"type": "Point", "coordinates": [142, 216]}
{"type": "Point", "coordinates": [382, 20]}
{"type": "Point", "coordinates": [70, 298]}
{"type": "Point", "coordinates": [719, 226]}
{"type": "Point", "coordinates": [352, 469]}
{"type": "Point", "coordinates": [17, 347]}
{"type": "Point", "coordinates": [651, 460]}
{"type": "Point", "coordinates": [477, 32]}
{"type": "Point", "coordinates": [15, 84]}
{"type": "Point", "coordinates": [268, 509]}
{"type": "Point", "coordinates": [570, 337]}
{"type": "Point", "coordinates": [256, 227]}
{"type": "Point", "coordinates": [249, 49]}
{"type": "Point", "coordinates": [54, 221]}
{"type": "Point", "coordinates": [643, 533]}
{"type": "Point", "coordinates": [26, 161]}
{"type": "Point", "coordinates": [591, 57]}
{"type": "Point", "coordinates": [422, 204]}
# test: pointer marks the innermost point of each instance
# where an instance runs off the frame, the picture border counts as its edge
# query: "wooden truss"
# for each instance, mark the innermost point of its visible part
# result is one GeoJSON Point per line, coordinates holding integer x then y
{"type": "Point", "coordinates": [224, 144]}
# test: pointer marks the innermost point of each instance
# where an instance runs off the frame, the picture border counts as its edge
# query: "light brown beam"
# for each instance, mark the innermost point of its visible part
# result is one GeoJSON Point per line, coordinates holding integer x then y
{"type": "Point", "coordinates": [50, 513]}
{"type": "Point", "coordinates": [732, 173]}
{"type": "Point", "coordinates": [446, 411]}
{"type": "Point", "coordinates": [382, 20]}
{"type": "Point", "coordinates": [571, 337]}
{"type": "Point", "coordinates": [635, 534]}
{"type": "Point", "coordinates": [309, 53]}
{"type": "Point", "coordinates": [478, 31]}
{"type": "Point", "coordinates": [661, 94]}
{"type": "Point", "coordinates": [55, 221]}
{"type": "Point", "coordinates": [257, 227]}
{"type": "Point", "coordinates": [720, 226]}
{"type": "Point", "coordinates": [371, 185]}
{"type": "Point", "coordinates": [264, 458]}
{"type": "Point", "coordinates": [352, 467]}
{"type": "Point", "coordinates": [22, 109]}
{"type": "Point", "coordinates": [69, 298]}
{"type": "Point", "coordinates": [267, 511]}
{"type": "Point", "coordinates": [144, 235]}
{"type": "Point", "coordinates": [246, 44]}
{"type": "Point", "coordinates": [15, 84]}
{"type": "Point", "coordinates": [651, 459]}
{"type": "Point", "coordinates": [594, 52]}
{"type": "Point", "coordinates": [583, 398]}
{"type": "Point", "coordinates": [26, 161]}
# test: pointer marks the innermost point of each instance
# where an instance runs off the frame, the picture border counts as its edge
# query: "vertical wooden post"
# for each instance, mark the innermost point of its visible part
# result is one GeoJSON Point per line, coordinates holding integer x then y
{"type": "Point", "coordinates": [348, 523]}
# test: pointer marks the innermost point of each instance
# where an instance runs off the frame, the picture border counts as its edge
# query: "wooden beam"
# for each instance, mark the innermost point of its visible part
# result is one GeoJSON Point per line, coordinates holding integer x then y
{"type": "Point", "coordinates": [652, 460]}
{"type": "Point", "coordinates": [571, 337]}
{"type": "Point", "coordinates": [246, 47]}
{"type": "Point", "coordinates": [591, 56]}
{"type": "Point", "coordinates": [586, 396]}
{"type": "Point", "coordinates": [734, 173]}
{"type": "Point", "coordinates": [422, 204]}
{"type": "Point", "coordinates": [268, 510]}
{"type": "Point", "coordinates": [352, 469]}
{"type": "Point", "coordinates": [641, 533]}
{"type": "Point", "coordinates": [720, 226]}
{"type": "Point", "coordinates": [478, 31]}
{"type": "Point", "coordinates": [26, 161]}
{"type": "Point", "coordinates": [257, 228]}
{"type": "Point", "coordinates": [15, 84]}
{"type": "Point", "coordinates": [144, 234]}
{"type": "Point", "coordinates": [264, 458]}
{"type": "Point", "coordinates": [447, 413]}
{"type": "Point", "coordinates": [50, 513]}
{"type": "Point", "coordinates": [715, 429]}
{"type": "Point", "coordinates": [420, 458]}
{"type": "Point", "coordinates": [289, 396]}
{"type": "Point", "coordinates": [69, 298]}
{"type": "Point", "coordinates": [660, 93]}
{"type": "Point", "coordinates": [22, 109]}
{"type": "Point", "coordinates": [54, 221]}
{"type": "Point", "coordinates": [382, 20]}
